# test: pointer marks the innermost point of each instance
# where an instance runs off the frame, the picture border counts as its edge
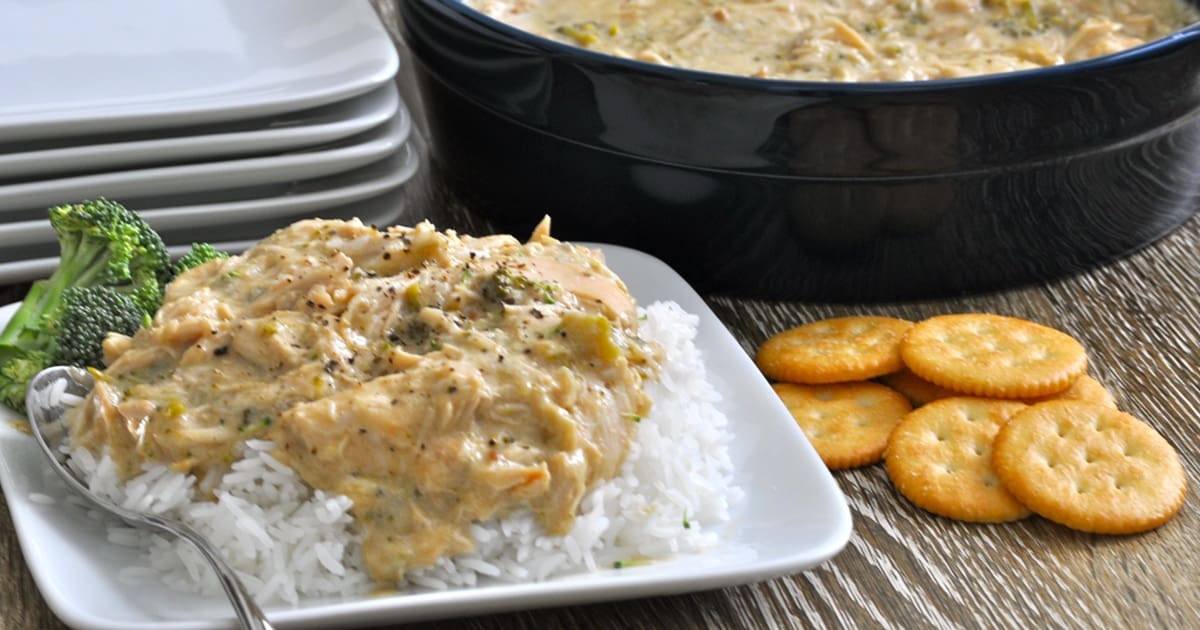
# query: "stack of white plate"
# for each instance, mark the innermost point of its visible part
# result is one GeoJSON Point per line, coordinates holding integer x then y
{"type": "Point", "coordinates": [217, 120]}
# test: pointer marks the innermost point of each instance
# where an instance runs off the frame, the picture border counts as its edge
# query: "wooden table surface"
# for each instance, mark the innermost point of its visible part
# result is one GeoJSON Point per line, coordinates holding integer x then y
{"type": "Point", "coordinates": [905, 568]}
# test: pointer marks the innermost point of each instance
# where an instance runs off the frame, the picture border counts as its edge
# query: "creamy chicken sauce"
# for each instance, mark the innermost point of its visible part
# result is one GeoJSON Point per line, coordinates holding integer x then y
{"type": "Point", "coordinates": [849, 40]}
{"type": "Point", "coordinates": [435, 379]}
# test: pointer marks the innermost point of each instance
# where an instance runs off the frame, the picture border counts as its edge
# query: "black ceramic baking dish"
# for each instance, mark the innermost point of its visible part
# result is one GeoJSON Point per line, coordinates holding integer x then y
{"type": "Point", "coordinates": [821, 191]}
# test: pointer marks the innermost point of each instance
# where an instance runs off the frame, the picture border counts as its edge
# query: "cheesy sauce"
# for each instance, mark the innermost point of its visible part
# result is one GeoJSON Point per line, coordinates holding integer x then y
{"type": "Point", "coordinates": [435, 379]}
{"type": "Point", "coordinates": [849, 40]}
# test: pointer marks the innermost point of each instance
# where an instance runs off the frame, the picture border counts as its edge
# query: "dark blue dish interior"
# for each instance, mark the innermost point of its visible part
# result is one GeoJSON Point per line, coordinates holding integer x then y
{"type": "Point", "coordinates": [820, 191]}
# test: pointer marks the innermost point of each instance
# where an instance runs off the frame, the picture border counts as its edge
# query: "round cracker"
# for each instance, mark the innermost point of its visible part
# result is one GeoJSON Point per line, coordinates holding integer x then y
{"type": "Point", "coordinates": [1086, 389]}
{"type": "Point", "coordinates": [1090, 467]}
{"type": "Point", "coordinates": [981, 354]}
{"type": "Point", "coordinates": [939, 457]}
{"type": "Point", "coordinates": [917, 390]}
{"type": "Point", "coordinates": [847, 423]}
{"type": "Point", "coordinates": [835, 350]}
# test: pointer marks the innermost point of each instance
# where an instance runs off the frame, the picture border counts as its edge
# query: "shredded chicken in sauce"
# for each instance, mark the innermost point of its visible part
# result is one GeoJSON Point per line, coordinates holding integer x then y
{"type": "Point", "coordinates": [435, 379]}
{"type": "Point", "coordinates": [850, 40]}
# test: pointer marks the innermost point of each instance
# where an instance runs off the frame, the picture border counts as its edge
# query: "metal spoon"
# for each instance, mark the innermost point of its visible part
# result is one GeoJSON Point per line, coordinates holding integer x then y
{"type": "Point", "coordinates": [46, 419]}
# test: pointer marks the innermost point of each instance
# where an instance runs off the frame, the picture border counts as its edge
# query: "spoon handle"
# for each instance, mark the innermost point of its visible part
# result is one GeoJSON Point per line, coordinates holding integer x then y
{"type": "Point", "coordinates": [250, 616]}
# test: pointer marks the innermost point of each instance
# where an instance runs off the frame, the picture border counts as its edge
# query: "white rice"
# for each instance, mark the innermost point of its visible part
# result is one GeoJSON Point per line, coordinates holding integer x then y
{"type": "Point", "coordinates": [673, 495]}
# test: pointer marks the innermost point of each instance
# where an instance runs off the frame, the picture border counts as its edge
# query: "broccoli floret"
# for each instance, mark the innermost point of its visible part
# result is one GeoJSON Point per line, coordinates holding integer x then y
{"type": "Point", "coordinates": [105, 244]}
{"type": "Point", "coordinates": [17, 368]}
{"type": "Point", "coordinates": [200, 254]}
{"type": "Point", "coordinates": [102, 244]}
{"type": "Point", "coordinates": [88, 316]}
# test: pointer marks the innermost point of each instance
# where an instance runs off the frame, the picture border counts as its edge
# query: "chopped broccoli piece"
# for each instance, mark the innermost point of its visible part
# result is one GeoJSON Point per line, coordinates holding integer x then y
{"type": "Point", "coordinates": [88, 316]}
{"type": "Point", "coordinates": [200, 254]}
{"type": "Point", "coordinates": [102, 244]}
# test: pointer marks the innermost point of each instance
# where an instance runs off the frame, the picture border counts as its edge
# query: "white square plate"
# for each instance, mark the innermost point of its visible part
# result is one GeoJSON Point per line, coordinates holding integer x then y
{"type": "Point", "coordinates": [792, 518]}
{"type": "Point", "coordinates": [310, 197]}
{"type": "Point", "coordinates": [29, 200]}
{"type": "Point", "coordinates": [87, 67]}
{"type": "Point", "coordinates": [288, 131]}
